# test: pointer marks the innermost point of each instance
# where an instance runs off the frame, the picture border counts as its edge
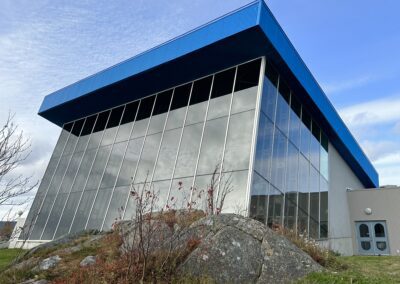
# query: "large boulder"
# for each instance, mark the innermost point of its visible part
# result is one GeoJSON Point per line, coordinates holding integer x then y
{"type": "Point", "coordinates": [231, 249]}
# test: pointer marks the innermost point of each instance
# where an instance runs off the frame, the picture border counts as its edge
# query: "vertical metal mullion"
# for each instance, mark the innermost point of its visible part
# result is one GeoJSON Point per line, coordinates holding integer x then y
{"type": "Point", "coordinates": [62, 180]}
{"type": "Point", "coordinates": [122, 162]}
{"type": "Point", "coordinates": [76, 174]}
{"type": "Point", "coordinates": [51, 180]}
{"type": "Point", "coordinates": [201, 139]}
{"type": "Point", "coordinates": [257, 113]}
{"type": "Point", "coordinates": [91, 167]}
{"type": "Point", "coordinates": [180, 141]}
{"type": "Point", "coordinates": [106, 164]}
{"type": "Point", "coordinates": [298, 176]}
{"type": "Point", "coordinates": [140, 155]}
{"type": "Point", "coordinates": [286, 162]}
{"type": "Point", "coordinates": [272, 145]}
{"type": "Point", "coordinates": [226, 132]}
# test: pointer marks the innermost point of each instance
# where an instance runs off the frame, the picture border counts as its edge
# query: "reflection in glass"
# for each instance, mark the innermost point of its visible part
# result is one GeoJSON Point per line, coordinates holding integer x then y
{"type": "Point", "coordinates": [124, 130]}
{"type": "Point", "coordinates": [116, 207]}
{"type": "Point", "coordinates": [188, 151]}
{"type": "Point", "coordinates": [275, 207]}
{"type": "Point", "coordinates": [238, 142]}
{"type": "Point", "coordinates": [160, 112]}
{"type": "Point", "coordinates": [98, 167]}
{"type": "Point", "coordinates": [130, 161]}
{"type": "Point", "coordinates": [198, 100]}
{"type": "Point", "coordinates": [379, 231]}
{"type": "Point", "coordinates": [148, 158]}
{"type": "Point", "coordinates": [73, 137]}
{"type": "Point", "coordinates": [179, 104]}
{"type": "Point", "coordinates": [113, 165]}
{"type": "Point", "coordinates": [42, 217]}
{"type": "Point", "coordinates": [364, 231]}
{"type": "Point", "coordinates": [98, 130]}
{"type": "Point", "coordinates": [83, 172]}
{"type": "Point", "coordinates": [269, 95]}
{"type": "Point", "coordinates": [236, 201]}
{"type": "Point", "coordinates": [315, 146]}
{"type": "Point", "coordinates": [265, 136]}
{"type": "Point", "coordinates": [71, 172]}
{"type": "Point", "coordinates": [282, 108]}
{"type": "Point", "coordinates": [294, 123]}
{"type": "Point", "coordinates": [142, 118]}
{"type": "Point", "coordinates": [366, 245]}
{"type": "Point", "coordinates": [303, 209]}
{"type": "Point", "coordinates": [212, 146]}
{"type": "Point", "coordinates": [54, 217]}
{"type": "Point", "coordinates": [279, 160]}
{"type": "Point", "coordinates": [68, 214]}
{"type": "Point", "coordinates": [324, 163]}
{"type": "Point", "coordinates": [82, 212]}
{"type": "Point", "coordinates": [305, 133]}
{"type": "Point", "coordinates": [323, 208]}
{"type": "Point", "coordinates": [259, 198]}
{"type": "Point", "coordinates": [314, 203]}
{"type": "Point", "coordinates": [98, 210]}
{"type": "Point", "coordinates": [62, 140]}
{"type": "Point", "coordinates": [221, 94]}
{"type": "Point", "coordinates": [167, 155]}
{"type": "Point", "coordinates": [112, 126]}
{"type": "Point", "coordinates": [85, 133]}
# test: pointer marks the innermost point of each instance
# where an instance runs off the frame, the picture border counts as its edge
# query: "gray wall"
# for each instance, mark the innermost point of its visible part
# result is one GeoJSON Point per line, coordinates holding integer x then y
{"type": "Point", "coordinates": [384, 204]}
{"type": "Point", "coordinates": [341, 177]}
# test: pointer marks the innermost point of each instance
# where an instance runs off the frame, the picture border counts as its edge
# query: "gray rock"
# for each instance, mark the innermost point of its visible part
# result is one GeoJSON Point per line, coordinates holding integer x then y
{"type": "Point", "coordinates": [48, 263]}
{"type": "Point", "coordinates": [87, 261]}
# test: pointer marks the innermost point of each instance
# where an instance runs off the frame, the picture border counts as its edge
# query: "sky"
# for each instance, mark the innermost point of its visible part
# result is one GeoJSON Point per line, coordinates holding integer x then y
{"type": "Point", "coordinates": [351, 48]}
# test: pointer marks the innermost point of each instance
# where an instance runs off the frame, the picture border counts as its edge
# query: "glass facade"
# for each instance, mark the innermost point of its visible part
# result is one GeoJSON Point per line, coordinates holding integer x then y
{"type": "Point", "coordinates": [178, 136]}
{"type": "Point", "coordinates": [176, 139]}
{"type": "Point", "coordinates": [290, 183]}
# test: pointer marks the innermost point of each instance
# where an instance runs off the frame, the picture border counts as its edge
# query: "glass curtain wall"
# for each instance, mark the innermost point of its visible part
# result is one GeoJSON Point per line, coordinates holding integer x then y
{"type": "Point", "coordinates": [173, 141]}
{"type": "Point", "coordinates": [290, 183]}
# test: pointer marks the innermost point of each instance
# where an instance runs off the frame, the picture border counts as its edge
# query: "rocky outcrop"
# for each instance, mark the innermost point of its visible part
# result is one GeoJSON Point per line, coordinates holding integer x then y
{"type": "Point", "coordinates": [233, 249]}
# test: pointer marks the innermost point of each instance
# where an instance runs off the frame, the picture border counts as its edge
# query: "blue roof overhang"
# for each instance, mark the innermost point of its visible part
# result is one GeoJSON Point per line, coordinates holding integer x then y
{"type": "Point", "coordinates": [247, 33]}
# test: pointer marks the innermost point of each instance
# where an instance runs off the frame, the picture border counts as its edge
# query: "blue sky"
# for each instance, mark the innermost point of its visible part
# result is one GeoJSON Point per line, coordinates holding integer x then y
{"type": "Point", "coordinates": [351, 47]}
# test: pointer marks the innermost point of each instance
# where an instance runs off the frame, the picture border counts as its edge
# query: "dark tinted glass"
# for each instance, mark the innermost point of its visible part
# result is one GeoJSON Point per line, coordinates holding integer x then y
{"type": "Point", "coordinates": [201, 90]}
{"type": "Point", "coordinates": [68, 126]}
{"type": "Point", "coordinates": [223, 83]}
{"type": "Point", "coordinates": [284, 90]}
{"type": "Point", "coordinates": [271, 73]}
{"type": "Point", "coordinates": [162, 102]}
{"type": "Point", "coordinates": [87, 128]}
{"type": "Point", "coordinates": [76, 130]}
{"type": "Point", "coordinates": [146, 106]}
{"type": "Point", "coordinates": [248, 75]}
{"type": "Point", "coordinates": [306, 118]}
{"type": "Point", "coordinates": [130, 112]}
{"type": "Point", "coordinates": [181, 96]}
{"type": "Point", "coordinates": [101, 121]}
{"type": "Point", "coordinates": [115, 117]}
{"type": "Point", "coordinates": [316, 131]}
{"type": "Point", "coordinates": [295, 105]}
{"type": "Point", "coordinates": [324, 141]}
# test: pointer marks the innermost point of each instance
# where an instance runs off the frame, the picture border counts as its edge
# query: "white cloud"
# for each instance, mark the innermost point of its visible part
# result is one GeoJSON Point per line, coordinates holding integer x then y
{"type": "Point", "coordinates": [331, 88]}
{"type": "Point", "coordinates": [373, 112]}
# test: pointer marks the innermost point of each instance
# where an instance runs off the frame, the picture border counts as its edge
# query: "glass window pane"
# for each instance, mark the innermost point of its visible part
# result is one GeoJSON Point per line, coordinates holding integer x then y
{"type": "Point", "coordinates": [279, 160]}
{"type": "Point", "coordinates": [83, 210]}
{"type": "Point", "coordinates": [268, 102]}
{"type": "Point", "coordinates": [168, 151]}
{"type": "Point", "coordinates": [303, 212]}
{"type": "Point", "coordinates": [98, 130]}
{"type": "Point", "coordinates": [51, 168]}
{"type": "Point", "coordinates": [264, 147]}
{"type": "Point", "coordinates": [30, 219]}
{"type": "Point", "coordinates": [113, 165]}
{"type": "Point", "coordinates": [179, 104]}
{"type": "Point", "coordinates": [275, 207]}
{"type": "Point", "coordinates": [112, 125]}
{"type": "Point", "coordinates": [148, 158]}
{"type": "Point", "coordinates": [292, 169]}
{"type": "Point", "coordinates": [234, 184]}
{"type": "Point", "coordinates": [259, 198]}
{"type": "Point", "coordinates": [62, 140]}
{"type": "Point", "coordinates": [59, 174]}
{"type": "Point", "coordinates": [142, 119]}
{"type": "Point", "coordinates": [364, 231]}
{"type": "Point", "coordinates": [314, 203]}
{"type": "Point", "coordinates": [212, 146]}
{"type": "Point", "coordinates": [117, 206]}
{"type": "Point", "coordinates": [85, 134]}
{"type": "Point", "coordinates": [83, 171]}
{"type": "Point", "coordinates": [198, 100]}
{"type": "Point", "coordinates": [98, 167]}
{"type": "Point", "coordinates": [324, 162]}
{"type": "Point", "coordinates": [290, 210]}
{"type": "Point", "coordinates": [54, 217]}
{"type": "Point", "coordinates": [73, 137]}
{"type": "Point", "coordinates": [238, 144]}
{"type": "Point", "coordinates": [130, 162]}
{"type": "Point", "coordinates": [246, 86]}
{"type": "Point", "coordinates": [42, 217]}
{"type": "Point", "coordinates": [68, 214]}
{"type": "Point", "coordinates": [379, 231]}
{"type": "Point", "coordinates": [71, 172]}
{"type": "Point", "coordinates": [124, 130]}
{"type": "Point", "coordinates": [305, 132]}
{"type": "Point", "coordinates": [221, 94]}
{"type": "Point", "coordinates": [315, 145]}
{"type": "Point", "coordinates": [160, 112]}
{"type": "Point", "coordinates": [99, 209]}
{"type": "Point", "coordinates": [294, 123]}
{"type": "Point", "coordinates": [323, 208]}
{"type": "Point", "coordinates": [188, 151]}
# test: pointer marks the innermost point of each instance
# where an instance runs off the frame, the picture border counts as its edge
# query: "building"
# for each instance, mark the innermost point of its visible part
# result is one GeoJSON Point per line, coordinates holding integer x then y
{"type": "Point", "coordinates": [233, 93]}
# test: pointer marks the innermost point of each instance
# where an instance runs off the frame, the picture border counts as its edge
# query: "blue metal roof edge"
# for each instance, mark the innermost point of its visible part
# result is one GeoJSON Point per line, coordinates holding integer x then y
{"type": "Point", "coordinates": [282, 44]}
{"type": "Point", "coordinates": [211, 32]}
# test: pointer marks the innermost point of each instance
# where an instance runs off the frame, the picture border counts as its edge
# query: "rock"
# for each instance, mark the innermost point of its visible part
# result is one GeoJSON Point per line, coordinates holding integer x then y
{"type": "Point", "coordinates": [245, 251]}
{"type": "Point", "coordinates": [34, 281]}
{"type": "Point", "coordinates": [48, 263]}
{"type": "Point", "coordinates": [87, 261]}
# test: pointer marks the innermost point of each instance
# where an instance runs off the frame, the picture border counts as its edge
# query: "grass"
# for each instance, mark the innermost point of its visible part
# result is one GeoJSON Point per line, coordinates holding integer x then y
{"type": "Point", "coordinates": [361, 269]}
{"type": "Point", "coordinates": [8, 255]}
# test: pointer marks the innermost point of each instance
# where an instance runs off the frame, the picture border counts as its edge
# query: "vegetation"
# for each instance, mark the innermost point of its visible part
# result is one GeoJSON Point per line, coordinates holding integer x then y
{"type": "Point", "coordinates": [7, 256]}
{"type": "Point", "coordinates": [360, 269]}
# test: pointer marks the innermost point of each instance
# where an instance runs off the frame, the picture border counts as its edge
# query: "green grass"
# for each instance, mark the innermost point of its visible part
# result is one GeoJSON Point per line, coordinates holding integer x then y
{"type": "Point", "coordinates": [8, 255]}
{"type": "Point", "coordinates": [361, 269]}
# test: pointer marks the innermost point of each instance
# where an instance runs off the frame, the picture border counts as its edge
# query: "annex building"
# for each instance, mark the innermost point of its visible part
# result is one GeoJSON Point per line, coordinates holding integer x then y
{"type": "Point", "coordinates": [232, 95]}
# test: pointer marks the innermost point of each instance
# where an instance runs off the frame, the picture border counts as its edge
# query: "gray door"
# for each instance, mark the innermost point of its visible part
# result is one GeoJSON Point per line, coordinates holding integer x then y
{"type": "Point", "coordinates": [372, 237]}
